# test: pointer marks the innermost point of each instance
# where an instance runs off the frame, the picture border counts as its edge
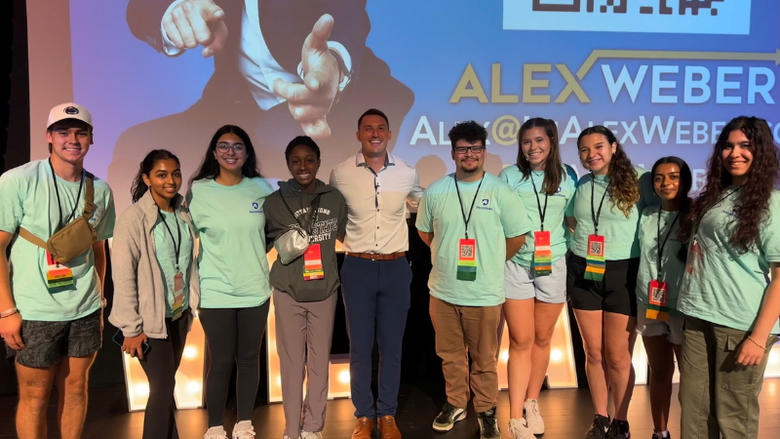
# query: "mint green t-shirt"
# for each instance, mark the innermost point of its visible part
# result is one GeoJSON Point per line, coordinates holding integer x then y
{"type": "Point", "coordinates": [166, 255]}
{"type": "Point", "coordinates": [619, 231]}
{"type": "Point", "coordinates": [28, 199]}
{"type": "Point", "coordinates": [498, 214]}
{"type": "Point", "coordinates": [672, 267]}
{"type": "Point", "coordinates": [553, 218]}
{"type": "Point", "coordinates": [723, 286]}
{"type": "Point", "coordinates": [232, 261]}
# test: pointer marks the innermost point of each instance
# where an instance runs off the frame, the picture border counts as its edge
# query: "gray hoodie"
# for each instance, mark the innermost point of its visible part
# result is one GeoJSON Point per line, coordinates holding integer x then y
{"type": "Point", "coordinates": [330, 224]}
{"type": "Point", "coordinates": [139, 293]}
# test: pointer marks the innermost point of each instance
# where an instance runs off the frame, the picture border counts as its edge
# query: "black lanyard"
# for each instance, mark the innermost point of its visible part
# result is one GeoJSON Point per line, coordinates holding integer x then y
{"type": "Point", "coordinates": [596, 215]}
{"type": "Point", "coordinates": [698, 221]}
{"type": "Point", "coordinates": [463, 212]}
{"type": "Point", "coordinates": [542, 212]}
{"type": "Point", "coordinates": [661, 245]}
{"type": "Point", "coordinates": [176, 245]}
{"type": "Point", "coordinates": [59, 202]}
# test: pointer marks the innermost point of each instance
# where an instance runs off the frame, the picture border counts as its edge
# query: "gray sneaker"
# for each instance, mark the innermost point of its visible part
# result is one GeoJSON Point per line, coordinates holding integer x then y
{"type": "Point", "coordinates": [533, 417]}
{"type": "Point", "coordinates": [518, 429]}
{"type": "Point", "coordinates": [488, 426]}
{"type": "Point", "coordinates": [448, 416]}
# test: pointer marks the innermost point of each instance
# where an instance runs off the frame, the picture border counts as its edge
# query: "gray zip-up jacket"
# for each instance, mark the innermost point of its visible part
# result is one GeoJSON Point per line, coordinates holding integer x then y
{"type": "Point", "coordinates": [329, 224]}
{"type": "Point", "coordinates": [139, 292]}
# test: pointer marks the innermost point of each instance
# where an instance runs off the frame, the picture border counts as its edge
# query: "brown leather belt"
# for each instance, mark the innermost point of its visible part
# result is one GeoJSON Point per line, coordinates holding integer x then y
{"type": "Point", "coordinates": [378, 257]}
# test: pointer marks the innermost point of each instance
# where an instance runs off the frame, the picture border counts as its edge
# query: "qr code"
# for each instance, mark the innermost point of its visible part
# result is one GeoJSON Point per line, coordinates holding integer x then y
{"type": "Point", "coordinates": [467, 252]}
{"type": "Point", "coordinates": [646, 7]}
{"type": "Point", "coordinates": [657, 295]}
{"type": "Point", "coordinates": [596, 248]}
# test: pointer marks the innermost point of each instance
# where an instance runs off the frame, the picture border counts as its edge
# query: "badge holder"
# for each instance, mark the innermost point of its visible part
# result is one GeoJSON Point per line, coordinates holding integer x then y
{"type": "Point", "coordinates": [542, 253]}
{"type": "Point", "coordinates": [178, 296]}
{"type": "Point", "coordinates": [467, 262]}
{"type": "Point", "coordinates": [596, 264]}
{"type": "Point", "coordinates": [658, 298]}
{"type": "Point", "coordinates": [59, 278]}
{"type": "Point", "coordinates": [312, 263]}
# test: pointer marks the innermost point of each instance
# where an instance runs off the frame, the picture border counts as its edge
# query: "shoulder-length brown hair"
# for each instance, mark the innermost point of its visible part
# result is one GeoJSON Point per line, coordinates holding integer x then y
{"type": "Point", "coordinates": [623, 179]}
{"type": "Point", "coordinates": [752, 206]}
{"type": "Point", "coordinates": [553, 167]}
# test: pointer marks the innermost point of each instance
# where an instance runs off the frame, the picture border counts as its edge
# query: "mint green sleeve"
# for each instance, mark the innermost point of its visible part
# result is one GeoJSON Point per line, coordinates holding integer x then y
{"type": "Point", "coordinates": [504, 176]}
{"type": "Point", "coordinates": [424, 221]}
{"type": "Point", "coordinates": [105, 228]}
{"type": "Point", "coordinates": [514, 218]}
{"type": "Point", "coordinates": [769, 232]}
{"type": "Point", "coordinates": [11, 211]}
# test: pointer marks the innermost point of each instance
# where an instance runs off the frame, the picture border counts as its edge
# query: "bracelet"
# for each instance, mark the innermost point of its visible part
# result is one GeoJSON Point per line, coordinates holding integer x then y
{"type": "Point", "coordinates": [757, 343]}
{"type": "Point", "coordinates": [9, 314]}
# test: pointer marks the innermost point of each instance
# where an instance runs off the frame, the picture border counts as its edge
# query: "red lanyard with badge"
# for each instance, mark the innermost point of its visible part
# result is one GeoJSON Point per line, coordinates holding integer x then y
{"type": "Point", "coordinates": [658, 291]}
{"type": "Point", "coordinates": [467, 254]}
{"type": "Point", "coordinates": [595, 262]}
{"type": "Point", "coordinates": [695, 252]}
{"type": "Point", "coordinates": [178, 278]}
{"type": "Point", "coordinates": [59, 277]}
{"type": "Point", "coordinates": [542, 249]}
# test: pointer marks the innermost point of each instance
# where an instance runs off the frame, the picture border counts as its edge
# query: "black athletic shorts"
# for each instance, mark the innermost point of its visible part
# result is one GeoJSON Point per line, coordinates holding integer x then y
{"type": "Point", "coordinates": [616, 292]}
{"type": "Point", "coordinates": [45, 343]}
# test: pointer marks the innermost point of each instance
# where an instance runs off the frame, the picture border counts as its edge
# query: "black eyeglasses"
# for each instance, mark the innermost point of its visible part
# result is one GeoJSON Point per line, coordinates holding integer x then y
{"type": "Point", "coordinates": [476, 149]}
{"type": "Point", "coordinates": [237, 148]}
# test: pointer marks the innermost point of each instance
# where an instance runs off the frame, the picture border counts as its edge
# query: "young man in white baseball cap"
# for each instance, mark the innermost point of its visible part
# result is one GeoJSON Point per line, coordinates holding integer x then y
{"type": "Point", "coordinates": [51, 308]}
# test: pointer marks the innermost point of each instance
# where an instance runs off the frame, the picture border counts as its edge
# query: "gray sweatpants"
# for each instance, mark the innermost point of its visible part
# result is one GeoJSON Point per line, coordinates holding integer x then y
{"type": "Point", "coordinates": [304, 333]}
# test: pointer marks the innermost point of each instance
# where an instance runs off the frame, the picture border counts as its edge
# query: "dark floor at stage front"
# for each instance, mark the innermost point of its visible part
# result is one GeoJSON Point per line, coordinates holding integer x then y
{"type": "Point", "coordinates": [567, 414]}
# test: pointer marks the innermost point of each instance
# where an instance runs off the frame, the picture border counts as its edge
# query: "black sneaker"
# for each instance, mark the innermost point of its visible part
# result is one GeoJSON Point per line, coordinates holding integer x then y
{"type": "Point", "coordinates": [658, 435]}
{"type": "Point", "coordinates": [488, 426]}
{"type": "Point", "coordinates": [448, 416]}
{"type": "Point", "coordinates": [598, 429]}
{"type": "Point", "coordinates": [618, 430]}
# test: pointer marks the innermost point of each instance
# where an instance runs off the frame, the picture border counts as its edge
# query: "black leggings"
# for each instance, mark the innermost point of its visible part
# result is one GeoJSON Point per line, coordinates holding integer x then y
{"type": "Point", "coordinates": [233, 336]}
{"type": "Point", "coordinates": [160, 366]}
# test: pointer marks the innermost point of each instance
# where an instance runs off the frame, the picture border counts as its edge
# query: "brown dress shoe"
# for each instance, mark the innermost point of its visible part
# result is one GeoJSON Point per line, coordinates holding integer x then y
{"type": "Point", "coordinates": [363, 429]}
{"type": "Point", "coordinates": [388, 429]}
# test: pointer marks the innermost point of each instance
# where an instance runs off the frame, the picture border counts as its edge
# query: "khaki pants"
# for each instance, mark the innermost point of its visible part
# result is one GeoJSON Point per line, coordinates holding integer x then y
{"type": "Point", "coordinates": [304, 331]}
{"type": "Point", "coordinates": [464, 330]}
{"type": "Point", "coordinates": [718, 397]}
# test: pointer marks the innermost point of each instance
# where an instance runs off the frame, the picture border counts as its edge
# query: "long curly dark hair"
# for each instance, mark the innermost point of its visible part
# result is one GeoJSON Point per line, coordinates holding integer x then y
{"type": "Point", "coordinates": [552, 167]}
{"type": "Point", "coordinates": [763, 175]}
{"type": "Point", "coordinates": [210, 166]}
{"type": "Point", "coordinates": [623, 179]}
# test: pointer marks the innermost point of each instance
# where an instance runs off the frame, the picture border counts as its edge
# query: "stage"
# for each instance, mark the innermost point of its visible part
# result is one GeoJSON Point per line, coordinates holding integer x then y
{"type": "Point", "coordinates": [567, 414]}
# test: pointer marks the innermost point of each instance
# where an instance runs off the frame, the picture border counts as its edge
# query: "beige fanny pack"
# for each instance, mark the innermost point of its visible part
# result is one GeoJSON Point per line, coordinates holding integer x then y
{"type": "Point", "coordinates": [73, 239]}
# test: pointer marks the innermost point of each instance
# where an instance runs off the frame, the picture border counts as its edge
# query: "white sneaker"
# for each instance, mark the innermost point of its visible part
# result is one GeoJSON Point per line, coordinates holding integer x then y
{"type": "Point", "coordinates": [216, 433]}
{"type": "Point", "coordinates": [310, 435]}
{"type": "Point", "coordinates": [518, 429]}
{"type": "Point", "coordinates": [243, 430]}
{"type": "Point", "coordinates": [532, 416]}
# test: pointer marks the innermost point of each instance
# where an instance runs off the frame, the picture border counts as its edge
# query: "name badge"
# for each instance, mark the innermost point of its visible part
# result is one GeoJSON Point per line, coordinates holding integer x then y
{"type": "Point", "coordinates": [467, 260]}
{"type": "Point", "coordinates": [312, 263]}
{"type": "Point", "coordinates": [178, 296]}
{"type": "Point", "coordinates": [542, 253]}
{"type": "Point", "coordinates": [58, 277]}
{"type": "Point", "coordinates": [658, 298]}
{"type": "Point", "coordinates": [596, 264]}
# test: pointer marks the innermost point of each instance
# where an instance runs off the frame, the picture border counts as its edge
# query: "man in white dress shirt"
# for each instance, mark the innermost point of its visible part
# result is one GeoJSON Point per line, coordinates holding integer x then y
{"type": "Point", "coordinates": [376, 275]}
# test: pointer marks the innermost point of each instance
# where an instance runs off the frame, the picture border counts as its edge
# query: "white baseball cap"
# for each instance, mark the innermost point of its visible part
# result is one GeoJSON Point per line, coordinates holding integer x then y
{"type": "Point", "coordinates": [69, 110]}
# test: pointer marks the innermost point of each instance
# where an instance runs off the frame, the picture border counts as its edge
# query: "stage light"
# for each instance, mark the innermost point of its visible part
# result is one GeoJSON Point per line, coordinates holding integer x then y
{"type": "Point", "coordinates": [505, 355]}
{"type": "Point", "coordinates": [344, 376]}
{"type": "Point", "coordinates": [193, 386]}
{"type": "Point", "coordinates": [142, 389]}
{"type": "Point", "coordinates": [774, 357]}
{"type": "Point", "coordinates": [190, 352]}
{"type": "Point", "coordinates": [556, 356]}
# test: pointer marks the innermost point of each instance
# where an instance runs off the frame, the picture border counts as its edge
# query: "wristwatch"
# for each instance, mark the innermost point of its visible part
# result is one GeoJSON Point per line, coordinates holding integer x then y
{"type": "Point", "coordinates": [344, 61]}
